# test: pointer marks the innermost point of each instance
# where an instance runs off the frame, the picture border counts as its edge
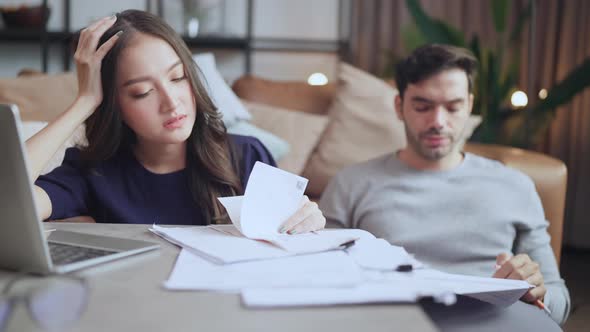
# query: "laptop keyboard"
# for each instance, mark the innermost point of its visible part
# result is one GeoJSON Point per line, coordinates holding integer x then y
{"type": "Point", "coordinates": [62, 254]}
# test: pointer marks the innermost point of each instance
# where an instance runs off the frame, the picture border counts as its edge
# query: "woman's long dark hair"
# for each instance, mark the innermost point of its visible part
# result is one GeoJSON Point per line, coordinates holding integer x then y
{"type": "Point", "coordinates": [211, 169]}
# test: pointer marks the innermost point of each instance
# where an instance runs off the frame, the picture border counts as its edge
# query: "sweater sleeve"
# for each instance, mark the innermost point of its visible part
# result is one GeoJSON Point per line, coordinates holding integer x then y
{"type": "Point", "coordinates": [533, 239]}
{"type": "Point", "coordinates": [335, 202]}
{"type": "Point", "coordinates": [66, 187]}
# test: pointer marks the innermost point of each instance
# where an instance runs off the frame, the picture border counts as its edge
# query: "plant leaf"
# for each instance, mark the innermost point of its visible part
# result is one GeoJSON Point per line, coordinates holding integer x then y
{"type": "Point", "coordinates": [391, 59]}
{"type": "Point", "coordinates": [577, 80]}
{"type": "Point", "coordinates": [509, 81]}
{"type": "Point", "coordinates": [499, 13]}
{"type": "Point", "coordinates": [435, 31]}
{"type": "Point", "coordinates": [475, 47]}
{"type": "Point", "coordinates": [412, 37]}
{"type": "Point", "coordinates": [520, 22]}
{"type": "Point", "coordinates": [493, 84]}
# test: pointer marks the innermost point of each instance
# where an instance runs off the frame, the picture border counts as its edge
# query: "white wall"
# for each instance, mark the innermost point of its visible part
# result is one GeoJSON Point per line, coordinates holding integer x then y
{"type": "Point", "coordinates": [297, 19]}
{"type": "Point", "coordinates": [310, 19]}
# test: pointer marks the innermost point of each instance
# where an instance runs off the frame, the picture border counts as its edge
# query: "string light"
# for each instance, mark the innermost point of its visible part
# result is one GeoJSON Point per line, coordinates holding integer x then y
{"type": "Point", "coordinates": [543, 93]}
{"type": "Point", "coordinates": [519, 99]}
{"type": "Point", "coordinates": [317, 79]}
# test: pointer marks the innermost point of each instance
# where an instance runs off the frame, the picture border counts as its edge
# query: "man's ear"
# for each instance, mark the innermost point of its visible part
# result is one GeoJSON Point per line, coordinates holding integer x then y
{"type": "Point", "coordinates": [398, 102]}
{"type": "Point", "coordinates": [471, 98]}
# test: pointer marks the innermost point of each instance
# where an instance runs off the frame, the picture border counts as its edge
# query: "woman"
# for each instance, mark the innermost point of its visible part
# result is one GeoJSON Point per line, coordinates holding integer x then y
{"type": "Point", "coordinates": [158, 151]}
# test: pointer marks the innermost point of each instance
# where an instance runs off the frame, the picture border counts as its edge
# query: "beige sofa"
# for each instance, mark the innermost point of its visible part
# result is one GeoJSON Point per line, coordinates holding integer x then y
{"type": "Point", "coordinates": [305, 116]}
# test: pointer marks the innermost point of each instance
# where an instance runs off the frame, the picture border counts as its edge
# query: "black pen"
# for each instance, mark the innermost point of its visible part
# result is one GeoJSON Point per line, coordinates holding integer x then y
{"type": "Point", "coordinates": [404, 268]}
{"type": "Point", "coordinates": [347, 244]}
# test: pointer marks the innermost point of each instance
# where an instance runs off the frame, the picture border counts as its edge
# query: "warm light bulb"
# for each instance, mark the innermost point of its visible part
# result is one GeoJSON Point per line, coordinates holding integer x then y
{"type": "Point", "coordinates": [519, 99]}
{"type": "Point", "coordinates": [543, 93]}
{"type": "Point", "coordinates": [317, 79]}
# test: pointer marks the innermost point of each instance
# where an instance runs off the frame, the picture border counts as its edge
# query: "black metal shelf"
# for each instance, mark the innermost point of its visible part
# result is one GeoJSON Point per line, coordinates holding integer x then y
{"type": "Point", "coordinates": [236, 43]}
{"type": "Point", "coordinates": [246, 44]}
{"type": "Point", "coordinates": [295, 45]}
{"type": "Point", "coordinates": [33, 35]}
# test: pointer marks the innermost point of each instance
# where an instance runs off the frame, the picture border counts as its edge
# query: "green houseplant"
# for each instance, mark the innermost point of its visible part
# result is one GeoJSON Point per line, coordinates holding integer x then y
{"type": "Point", "coordinates": [498, 75]}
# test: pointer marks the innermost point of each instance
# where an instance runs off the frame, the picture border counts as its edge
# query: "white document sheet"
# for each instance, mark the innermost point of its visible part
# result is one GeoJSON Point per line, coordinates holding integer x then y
{"type": "Point", "coordinates": [318, 241]}
{"type": "Point", "coordinates": [501, 292]}
{"type": "Point", "coordinates": [378, 254]}
{"type": "Point", "coordinates": [271, 197]}
{"type": "Point", "coordinates": [328, 269]}
{"type": "Point", "coordinates": [298, 243]}
{"type": "Point", "coordinates": [225, 244]}
{"type": "Point", "coordinates": [219, 247]}
{"type": "Point", "coordinates": [367, 292]}
{"type": "Point", "coordinates": [233, 206]}
{"type": "Point", "coordinates": [379, 286]}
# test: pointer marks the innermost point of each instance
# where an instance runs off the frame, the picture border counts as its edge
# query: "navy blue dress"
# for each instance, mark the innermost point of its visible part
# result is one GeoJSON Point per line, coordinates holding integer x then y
{"type": "Point", "coordinates": [121, 190]}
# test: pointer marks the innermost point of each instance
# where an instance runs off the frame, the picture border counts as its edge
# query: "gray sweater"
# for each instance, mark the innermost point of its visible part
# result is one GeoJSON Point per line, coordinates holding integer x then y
{"type": "Point", "coordinates": [456, 221]}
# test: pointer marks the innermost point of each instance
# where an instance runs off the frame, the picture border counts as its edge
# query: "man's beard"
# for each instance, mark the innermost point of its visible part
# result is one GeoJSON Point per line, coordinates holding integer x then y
{"type": "Point", "coordinates": [427, 153]}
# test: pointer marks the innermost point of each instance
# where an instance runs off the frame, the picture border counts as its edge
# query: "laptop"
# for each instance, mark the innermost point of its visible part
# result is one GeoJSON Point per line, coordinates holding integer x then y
{"type": "Point", "coordinates": [23, 246]}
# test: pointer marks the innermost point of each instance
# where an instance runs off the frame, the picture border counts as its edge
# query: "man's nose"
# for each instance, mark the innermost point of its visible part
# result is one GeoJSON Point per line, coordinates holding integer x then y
{"type": "Point", "coordinates": [439, 117]}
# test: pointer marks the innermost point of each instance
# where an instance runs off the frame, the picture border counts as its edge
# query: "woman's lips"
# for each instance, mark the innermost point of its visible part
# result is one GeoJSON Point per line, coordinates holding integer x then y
{"type": "Point", "coordinates": [175, 122]}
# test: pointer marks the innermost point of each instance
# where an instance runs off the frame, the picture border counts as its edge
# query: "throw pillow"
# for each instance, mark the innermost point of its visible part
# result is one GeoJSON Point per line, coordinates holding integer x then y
{"type": "Point", "coordinates": [222, 95]}
{"type": "Point", "coordinates": [363, 125]}
{"type": "Point", "coordinates": [301, 130]}
{"type": "Point", "coordinates": [290, 95]}
{"type": "Point", "coordinates": [277, 147]}
{"type": "Point", "coordinates": [40, 97]}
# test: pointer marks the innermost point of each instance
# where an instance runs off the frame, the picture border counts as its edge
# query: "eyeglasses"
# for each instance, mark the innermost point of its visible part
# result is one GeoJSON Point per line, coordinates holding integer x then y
{"type": "Point", "coordinates": [54, 302]}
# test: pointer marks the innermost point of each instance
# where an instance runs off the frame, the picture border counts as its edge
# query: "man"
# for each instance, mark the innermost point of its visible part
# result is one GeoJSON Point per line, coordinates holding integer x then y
{"type": "Point", "coordinates": [455, 211]}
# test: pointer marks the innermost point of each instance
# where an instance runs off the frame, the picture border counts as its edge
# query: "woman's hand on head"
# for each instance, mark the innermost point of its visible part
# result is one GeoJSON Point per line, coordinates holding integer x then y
{"type": "Point", "coordinates": [89, 59]}
{"type": "Point", "coordinates": [307, 219]}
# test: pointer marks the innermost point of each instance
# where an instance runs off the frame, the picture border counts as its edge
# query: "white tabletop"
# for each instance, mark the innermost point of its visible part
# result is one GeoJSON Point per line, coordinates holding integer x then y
{"type": "Point", "coordinates": [127, 295]}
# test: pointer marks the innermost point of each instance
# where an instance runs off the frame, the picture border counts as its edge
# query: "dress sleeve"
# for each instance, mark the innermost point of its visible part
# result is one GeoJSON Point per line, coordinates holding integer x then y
{"type": "Point", "coordinates": [66, 187]}
{"type": "Point", "coordinates": [252, 150]}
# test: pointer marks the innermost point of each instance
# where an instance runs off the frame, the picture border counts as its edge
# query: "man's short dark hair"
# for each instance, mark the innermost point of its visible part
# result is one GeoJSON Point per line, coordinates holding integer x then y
{"type": "Point", "coordinates": [431, 59]}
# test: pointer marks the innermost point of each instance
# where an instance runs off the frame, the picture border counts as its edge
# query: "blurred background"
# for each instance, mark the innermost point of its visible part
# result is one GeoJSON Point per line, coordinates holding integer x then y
{"type": "Point", "coordinates": [531, 92]}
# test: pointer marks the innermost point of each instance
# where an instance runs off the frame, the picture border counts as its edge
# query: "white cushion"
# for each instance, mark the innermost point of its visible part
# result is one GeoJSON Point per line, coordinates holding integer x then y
{"type": "Point", "coordinates": [222, 95]}
{"type": "Point", "coordinates": [277, 146]}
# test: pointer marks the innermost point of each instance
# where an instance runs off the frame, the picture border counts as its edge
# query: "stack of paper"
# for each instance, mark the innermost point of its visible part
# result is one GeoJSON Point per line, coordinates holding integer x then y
{"type": "Point", "coordinates": [367, 292]}
{"type": "Point", "coordinates": [273, 269]}
{"type": "Point", "coordinates": [394, 287]}
{"type": "Point", "coordinates": [502, 292]}
{"type": "Point", "coordinates": [328, 269]}
{"type": "Point", "coordinates": [271, 197]}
